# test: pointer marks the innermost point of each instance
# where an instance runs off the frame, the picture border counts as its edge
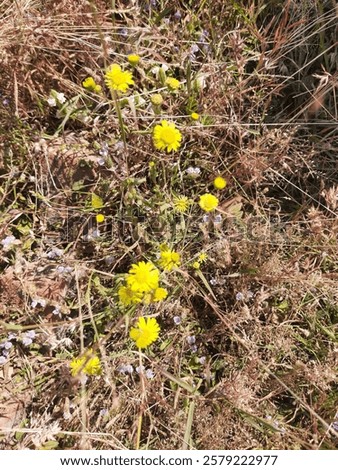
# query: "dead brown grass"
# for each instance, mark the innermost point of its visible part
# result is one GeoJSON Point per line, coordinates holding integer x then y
{"type": "Point", "coordinates": [264, 307]}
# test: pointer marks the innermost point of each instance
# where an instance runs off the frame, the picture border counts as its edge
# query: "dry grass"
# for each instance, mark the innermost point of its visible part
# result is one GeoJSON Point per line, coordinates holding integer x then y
{"type": "Point", "coordinates": [263, 307]}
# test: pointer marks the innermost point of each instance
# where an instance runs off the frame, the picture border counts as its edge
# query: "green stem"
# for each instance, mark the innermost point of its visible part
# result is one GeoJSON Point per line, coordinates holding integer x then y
{"type": "Point", "coordinates": [113, 7]}
{"type": "Point", "coordinates": [187, 434]}
{"type": "Point", "coordinates": [120, 118]}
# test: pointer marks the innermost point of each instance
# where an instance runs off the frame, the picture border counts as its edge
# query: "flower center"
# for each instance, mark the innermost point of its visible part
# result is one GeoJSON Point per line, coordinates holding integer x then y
{"type": "Point", "coordinates": [119, 78]}
{"type": "Point", "coordinates": [140, 277]}
{"type": "Point", "coordinates": [168, 135]}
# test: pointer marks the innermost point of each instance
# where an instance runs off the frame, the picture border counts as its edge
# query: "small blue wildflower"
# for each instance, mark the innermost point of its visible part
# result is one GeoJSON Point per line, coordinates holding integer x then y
{"type": "Point", "coordinates": [27, 341]}
{"type": "Point", "coordinates": [239, 296]}
{"type": "Point", "coordinates": [193, 172]}
{"type": "Point", "coordinates": [28, 337]}
{"type": "Point", "coordinates": [119, 146]}
{"type": "Point", "coordinates": [103, 153]}
{"type": "Point", "coordinates": [150, 374]}
{"type": "Point", "coordinates": [31, 334]}
{"type": "Point", "coordinates": [2, 360]}
{"type": "Point", "coordinates": [36, 302]}
{"type": "Point", "coordinates": [57, 311]}
{"type": "Point", "coordinates": [96, 233]}
{"type": "Point", "coordinates": [203, 36]}
{"type": "Point", "coordinates": [217, 219]}
{"type": "Point", "coordinates": [54, 253]}
{"type": "Point", "coordinates": [123, 32]}
{"type": "Point", "coordinates": [64, 269]}
{"type": "Point", "coordinates": [193, 348]}
{"type": "Point", "coordinates": [8, 242]}
{"type": "Point", "coordinates": [194, 49]}
{"type": "Point", "coordinates": [126, 369]}
{"type": "Point", "coordinates": [191, 340]}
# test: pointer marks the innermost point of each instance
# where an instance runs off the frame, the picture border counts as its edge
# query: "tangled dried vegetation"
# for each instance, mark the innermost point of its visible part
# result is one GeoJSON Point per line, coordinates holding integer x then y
{"type": "Point", "coordinates": [246, 356]}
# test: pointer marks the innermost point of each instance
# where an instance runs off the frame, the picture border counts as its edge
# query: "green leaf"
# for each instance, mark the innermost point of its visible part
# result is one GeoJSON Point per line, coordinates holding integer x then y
{"type": "Point", "coordinates": [24, 227]}
{"type": "Point", "coordinates": [179, 381]}
{"type": "Point", "coordinates": [49, 445]}
{"type": "Point", "coordinates": [284, 305]}
{"type": "Point", "coordinates": [96, 202]}
{"type": "Point", "coordinates": [165, 344]}
{"type": "Point", "coordinates": [205, 282]}
{"type": "Point", "coordinates": [20, 435]}
{"type": "Point", "coordinates": [103, 291]}
{"type": "Point", "coordinates": [10, 326]}
{"type": "Point", "coordinates": [78, 185]}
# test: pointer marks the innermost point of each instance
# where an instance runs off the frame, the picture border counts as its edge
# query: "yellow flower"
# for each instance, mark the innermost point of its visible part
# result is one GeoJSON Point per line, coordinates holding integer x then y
{"type": "Point", "coordinates": [133, 59]}
{"type": "Point", "coordinates": [143, 277]}
{"type": "Point", "coordinates": [155, 296]}
{"type": "Point", "coordinates": [156, 99]}
{"type": "Point", "coordinates": [202, 257]}
{"type": "Point", "coordinates": [145, 333]}
{"type": "Point", "coordinates": [219, 182]}
{"type": "Point", "coordinates": [160, 294]}
{"type": "Point", "coordinates": [195, 116]}
{"type": "Point", "coordinates": [181, 203]}
{"type": "Point", "coordinates": [208, 202]}
{"type": "Point", "coordinates": [129, 297]}
{"type": "Point", "coordinates": [172, 83]}
{"type": "Point", "coordinates": [196, 265]}
{"type": "Point", "coordinates": [166, 136]}
{"type": "Point", "coordinates": [169, 260]}
{"type": "Point", "coordinates": [118, 80]}
{"type": "Point", "coordinates": [88, 364]}
{"type": "Point", "coordinates": [90, 85]}
{"type": "Point", "coordinates": [99, 218]}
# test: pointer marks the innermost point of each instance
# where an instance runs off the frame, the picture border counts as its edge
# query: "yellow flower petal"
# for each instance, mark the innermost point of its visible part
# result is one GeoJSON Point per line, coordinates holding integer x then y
{"type": "Point", "coordinates": [208, 202]}
{"type": "Point", "coordinates": [145, 333]}
{"type": "Point", "coordinates": [133, 59]}
{"type": "Point", "coordinates": [143, 277]}
{"type": "Point", "coordinates": [117, 79]}
{"type": "Point", "coordinates": [172, 83]}
{"type": "Point", "coordinates": [166, 136]}
{"type": "Point", "coordinates": [88, 364]}
{"type": "Point", "coordinates": [220, 182]}
{"type": "Point", "coordinates": [169, 260]}
{"type": "Point", "coordinates": [99, 218]}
